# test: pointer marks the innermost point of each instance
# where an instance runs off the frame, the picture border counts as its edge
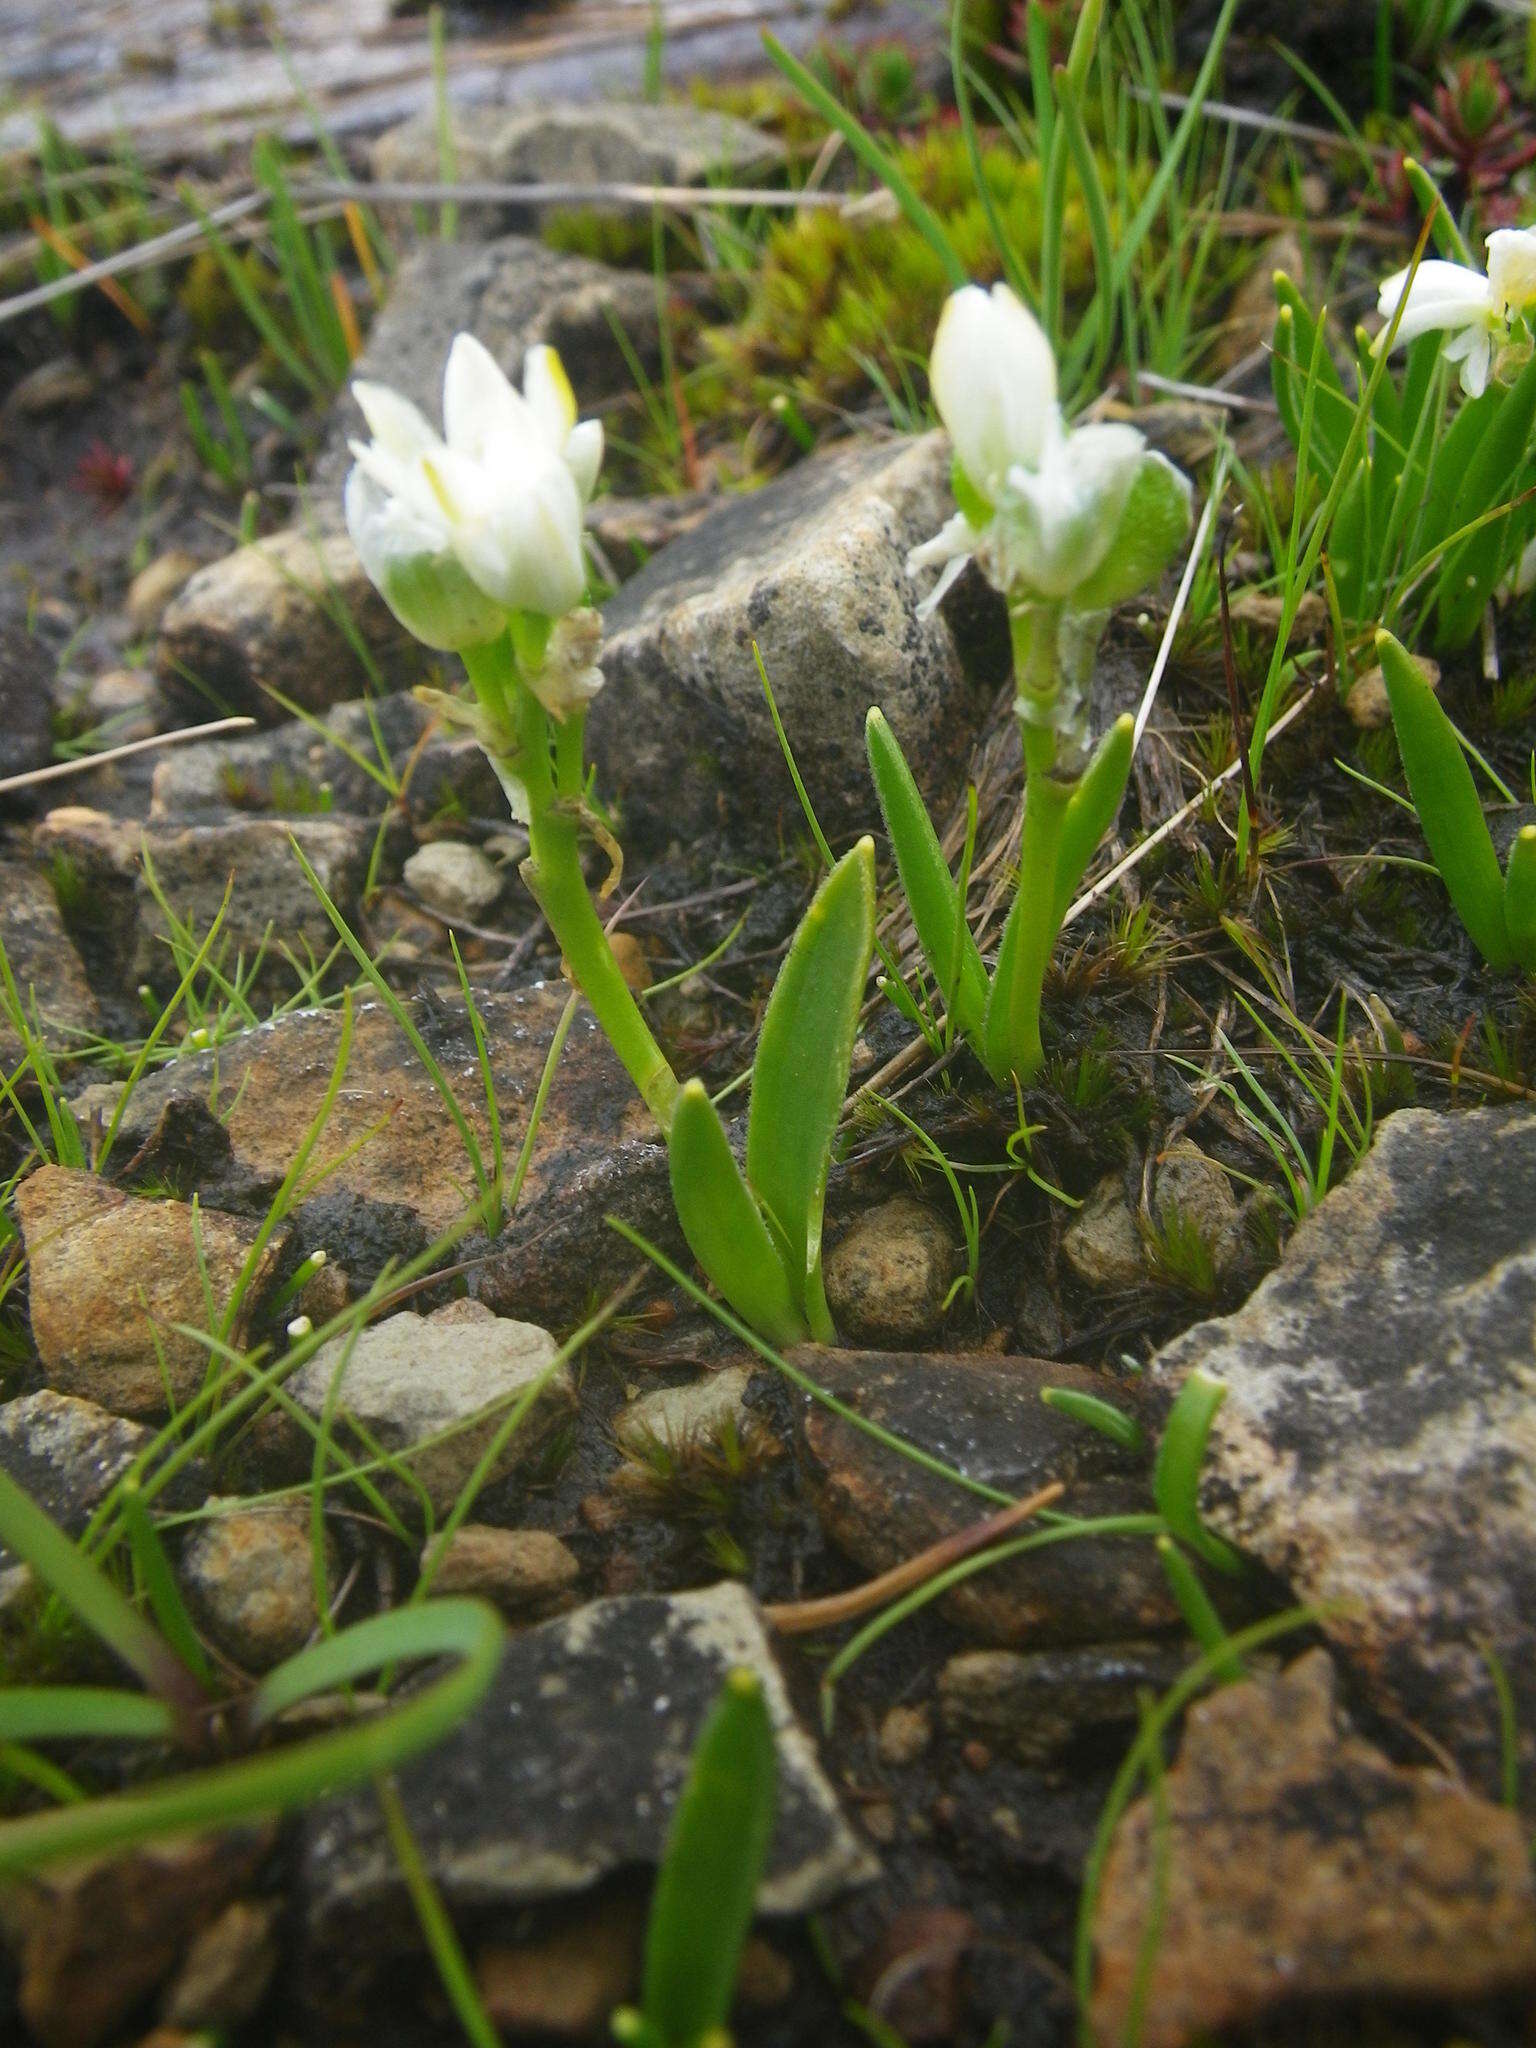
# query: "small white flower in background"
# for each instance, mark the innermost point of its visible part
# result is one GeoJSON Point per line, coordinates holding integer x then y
{"type": "Point", "coordinates": [1474, 306]}
{"type": "Point", "coordinates": [461, 528]}
{"type": "Point", "coordinates": [301, 1326]}
{"type": "Point", "coordinates": [1041, 504]}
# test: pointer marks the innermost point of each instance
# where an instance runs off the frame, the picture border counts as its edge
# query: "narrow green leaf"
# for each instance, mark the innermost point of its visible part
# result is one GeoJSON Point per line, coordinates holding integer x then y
{"type": "Point", "coordinates": [925, 878]}
{"type": "Point", "coordinates": [300, 1772]}
{"type": "Point", "coordinates": [1446, 800]}
{"type": "Point", "coordinates": [1104, 1416]}
{"type": "Point", "coordinates": [73, 1713]}
{"type": "Point", "coordinates": [801, 1072]}
{"type": "Point", "coordinates": [1493, 477]}
{"type": "Point", "coordinates": [1176, 1474]}
{"type": "Point", "coordinates": [723, 1224]}
{"type": "Point", "coordinates": [1445, 234]}
{"type": "Point", "coordinates": [871, 154]}
{"type": "Point", "coordinates": [717, 1846]}
{"type": "Point", "coordinates": [1200, 1616]}
{"type": "Point", "coordinates": [1092, 807]}
{"type": "Point", "coordinates": [1520, 897]}
{"type": "Point", "coordinates": [90, 1594]}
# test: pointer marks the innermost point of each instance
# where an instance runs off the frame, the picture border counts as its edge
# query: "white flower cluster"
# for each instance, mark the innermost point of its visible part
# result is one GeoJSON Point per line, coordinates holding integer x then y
{"type": "Point", "coordinates": [1475, 307]}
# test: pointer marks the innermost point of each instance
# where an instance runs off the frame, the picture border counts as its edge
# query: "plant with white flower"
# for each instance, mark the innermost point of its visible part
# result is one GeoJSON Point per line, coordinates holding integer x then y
{"type": "Point", "coordinates": [474, 539]}
{"type": "Point", "coordinates": [1065, 522]}
{"type": "Point", "coordinates": [1478, 309]}
{"type": "Point", "coordinates": [1427, 491]}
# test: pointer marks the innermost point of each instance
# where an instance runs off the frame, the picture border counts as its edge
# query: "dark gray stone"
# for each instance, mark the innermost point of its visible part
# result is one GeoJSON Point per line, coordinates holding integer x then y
{"type": "Point", "coordinates": [43, 962]}
{"type": "Point", "coordinates": [984, 1416]}
{"type": "Point", "coordinates": [1377, 1446]}
{"type": "Point", "coordinates": [1034, 1705]}
{"type": "Point", "coordinates": [68, 1454]}
{"type": "Point", "coordinates": [571, 1767]}
{"type": "Point", "coordinates": [812, 569]}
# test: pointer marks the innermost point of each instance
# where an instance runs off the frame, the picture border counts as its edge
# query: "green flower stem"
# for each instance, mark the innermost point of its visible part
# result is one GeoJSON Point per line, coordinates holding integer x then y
{"type": "Point", "coordinates": [1013, 1046]}
{"type": "Point", "coordinates": [553, 869]}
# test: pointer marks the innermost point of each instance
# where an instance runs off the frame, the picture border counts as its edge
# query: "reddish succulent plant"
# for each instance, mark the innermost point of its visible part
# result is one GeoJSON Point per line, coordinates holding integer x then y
{"type": "Point", "coordinates": [103, 474]}
{"type": "Point", "coordinates": [1470, 123]}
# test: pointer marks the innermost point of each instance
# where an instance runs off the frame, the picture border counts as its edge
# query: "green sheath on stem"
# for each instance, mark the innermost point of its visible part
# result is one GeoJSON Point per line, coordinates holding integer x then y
{"type": "Point", "coordinates": [553, 872]}
{"type": "Point", "coordinates": [1445, 797]}
{"type": "Point", "coordinates": [1520, 897]}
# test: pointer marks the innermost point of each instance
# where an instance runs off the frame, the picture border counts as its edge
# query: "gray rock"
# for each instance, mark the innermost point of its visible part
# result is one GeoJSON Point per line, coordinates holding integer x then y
{"type": "Point", "coordinates": [122, 704]}
{"type": "Point", "coordinates": [271, 905]}
{"type": "Point", "coordinates": [111, 1276]}
{"type": "Point", "coordinates": [1103, 1243]}
{"type": "Point", "coordinates": [601, 142]}
{"type": "Point", "coordinates": [1034, 1705]}
{"type": "Point", "coordinates": [265, 619]}
{"type": "Point", "coordinates": [298, 770]}
{"type": "Point", "coordinates": [1377, 1446]}
{"type": "Point", "coordinates": [43, 962]}
{"type": "Point", "coordinates": [699, 1413]}
{"type": "Point", "coordinates": [411, 1377]}
{"type": "Point", "coordinates": [250, 1576]}
{"type": "Point", "coordinates": [68, 1454]}
{"type": "Point", "coordinates": [888, 1276]}
{"type": "Point", "coordinates": [26, 702]}
{"type": "Point", "coordinates": [456, 880]}
{"type": "Point", "coordinates": [528, 1573]}
{"type": "Point", "coordinates": [1198, 1225]}
{"type": "Point", "coordinates": [812, 568]}
{"type": "Point", "coordinates": [403, 1179]}
{"type": "Point", "coordinates": [509, 294]}
{"type": "Point", "coordinates": [570, 1768]}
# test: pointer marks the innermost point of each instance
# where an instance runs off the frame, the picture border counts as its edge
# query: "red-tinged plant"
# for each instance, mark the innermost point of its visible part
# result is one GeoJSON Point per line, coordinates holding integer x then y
{"type": "Point", "coordinates": [1472, 123]}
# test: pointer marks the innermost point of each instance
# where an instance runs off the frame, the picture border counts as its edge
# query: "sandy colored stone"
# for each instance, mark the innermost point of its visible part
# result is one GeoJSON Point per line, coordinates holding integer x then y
{"type": "Point", "coordinates": [527, 1573]}
{"type": "Point", "coordinates": [250, 1575]}
{"type": "Point", "coordinates": [154, 587]}
{"type": "Point", "coordinates": [409, 1378]}
{"type": "Point", "coordinates": [887, 1277]}
{"type": "Point", "coordinates": [567, 1982]}
{"type": "Point", "coordinates": [111, 1274]}
{"type": "Point", "coordinates": [1300, 1864]}
{"type": "Point", "coordinates": [699, 1413]}
{"type": "Point", "coordinates": [263, 619]}
{"type": "Point", "coordinates": [1368, 705]}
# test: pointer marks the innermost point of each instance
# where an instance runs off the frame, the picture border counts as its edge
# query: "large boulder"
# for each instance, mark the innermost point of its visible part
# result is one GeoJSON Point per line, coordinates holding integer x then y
{"type": "Point", "coordinates": [1377, 1445]}
{"type": "Point", "coordinates": [811, 573]}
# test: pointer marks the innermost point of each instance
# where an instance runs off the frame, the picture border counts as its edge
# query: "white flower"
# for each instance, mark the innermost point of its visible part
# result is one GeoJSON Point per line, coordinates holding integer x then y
{"type": "Point", "coordinates": [993, 379]}
{"type": "Point", "coordinates": [459, 529]}
{"type": "Point", "coordinates": [1041, 503]}
{"type": "Point", "coordinates": [300, 1327]}
{"type": "Point", "coordinates": [1475, 307]}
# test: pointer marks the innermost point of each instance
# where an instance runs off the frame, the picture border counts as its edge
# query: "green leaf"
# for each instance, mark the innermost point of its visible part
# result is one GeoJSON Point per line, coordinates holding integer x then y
{"type": "Point", "coordinates": [717, 1846]}
{"type": "Point", "coordinates": [925, 879]}
{"type": "Point", "coordinates": [1494, 476]}
{"type": "Point", "coordinates": [1333, 408]}
{"type": "Point", "coordinates": [1152, 526]}
{"type": "Point", "coordinates": [1520, 897]}
{"type": "Point", "coordinates": [871, 154]}
{"type": "Point", "coordinates": [1176, 1474]}
{"type": "Point", "coordinates": [1092, 806]}
{"type": "Point", "coordinates": [723, 1224]}
{"type": "Point", "coordinates": [801, 1072]}
{"type": "Point", "coordinates": [1446, 800]}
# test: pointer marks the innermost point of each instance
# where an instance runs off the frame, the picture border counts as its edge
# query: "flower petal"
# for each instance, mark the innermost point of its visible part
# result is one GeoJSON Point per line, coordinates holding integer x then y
{"type": "Point", "coordinates": [547, 390]}
{"type": "Point", "coordinates": [478, 401]}
{"type": "Point", "coordinates": [393, 421]}
{"type": "Point", "coordinates": [584, 457]}
{"type": "Point", "coordinates": [1439, 295]}
{"type": "Point", "coordinates": [1512, 268]}
{"type": "Point", "coordinates": [993, 379]}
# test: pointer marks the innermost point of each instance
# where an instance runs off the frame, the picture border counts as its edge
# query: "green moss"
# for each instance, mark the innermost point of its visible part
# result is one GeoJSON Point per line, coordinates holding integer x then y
{"type": "Point", "coordinates": [839, 301]}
